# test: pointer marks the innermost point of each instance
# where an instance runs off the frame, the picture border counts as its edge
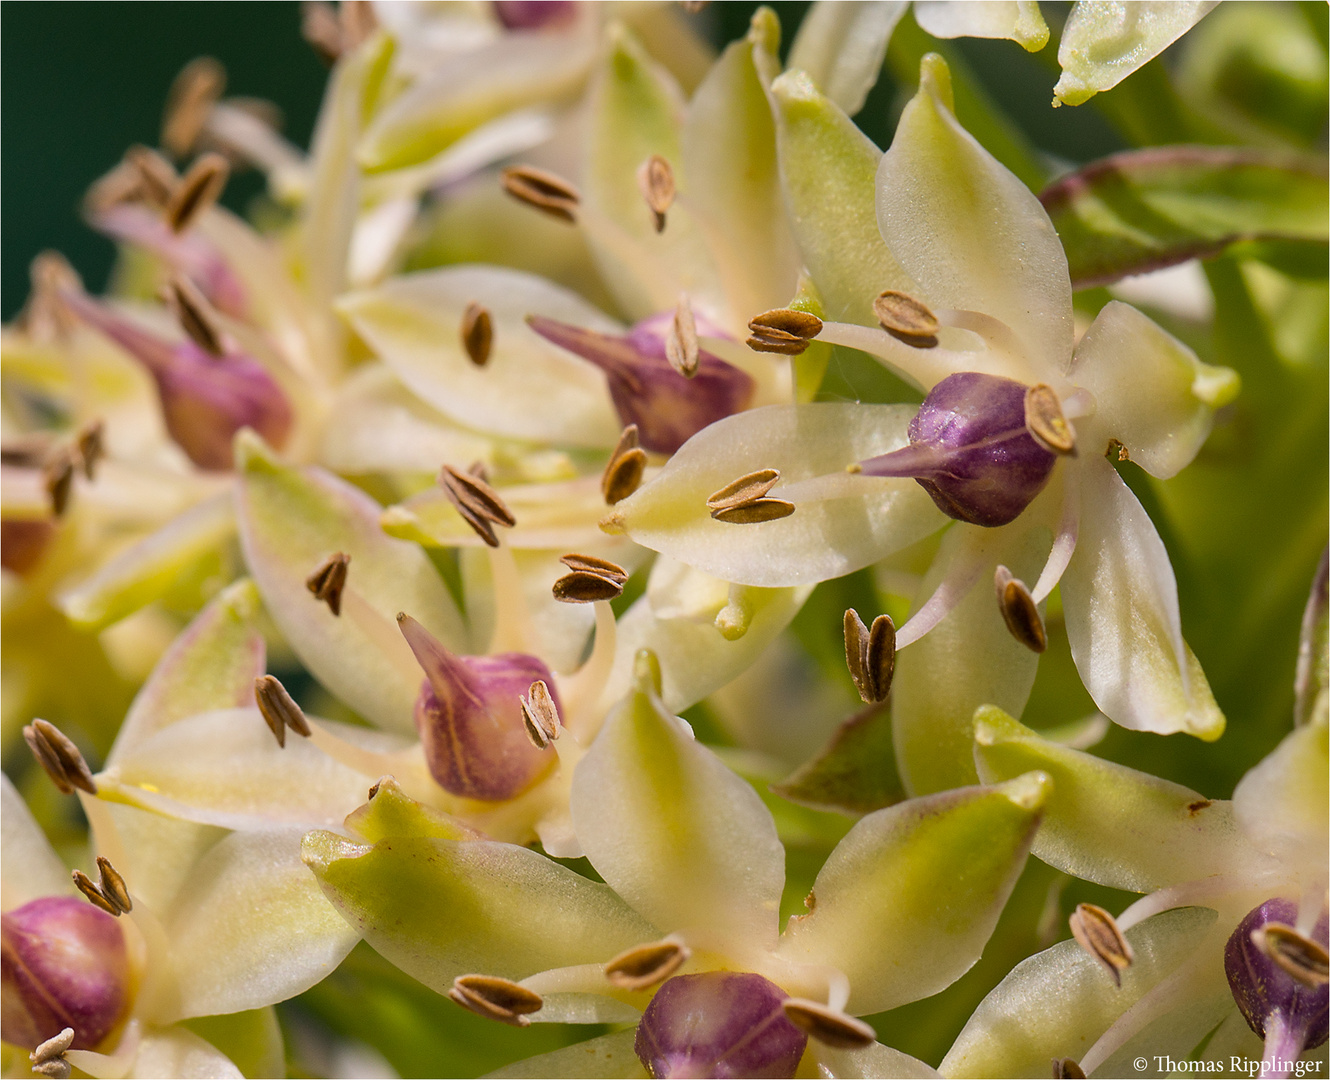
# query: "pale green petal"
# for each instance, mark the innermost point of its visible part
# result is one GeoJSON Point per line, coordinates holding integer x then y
{"type": "Point", "coordinates": [1019, 20]}
{"type": "Point", "coordinates": [840, 523]}
{"type": "Point", "coordinates": [1106, 40]}
{"type": "Point", "coordinates": [251, 1039]}
{"type": "Point", "coordinates": [1151, 393]}
{"type": "Point", "coordinates": [211, 665]}
{"type": "Point", "coordinates": [1111, 824]}
{"type": "Point", "coordinates": [729, 154]}
{"type": "Point", "coordinates": [841, 47]}
{"type": "Point", "coordinates": [438, 909]}
{"type": "Point", "coordinates": [170, 1051]}
{"type": "Point", "coordinates": [609, 1056]}
{"type": "Point", "coordinates": [1057, 1003]}
{"type": "Point", "coordinates": [873, 1061]}
{"type": "Point", "coordinates": [673, 831]}
{"type": "Point", "coordinates": [290, 521]}
{"type": "Point", "coordinates": [1281, 803]}
{"type": "Point", "coordinates": [250, 929]}
{"type": "Point", "coordinates": [528, 389]}
{"type": "Point", "coordinates": [156, 854]}
{"type": "Point", "coordinates": [391, 812]}
{"type": "Point", "coordinates": [146, 570]}
{"type": "Point", "coordinates": [828, 167]}
{"type": "Point", "coordinates": [968, 231]}
{"type": "Point", "coordinates": [907, 901]}
{"type": "Point", "coordinates": [1121, 605]}
{"type": "Point", "coordinates": [29, 866]}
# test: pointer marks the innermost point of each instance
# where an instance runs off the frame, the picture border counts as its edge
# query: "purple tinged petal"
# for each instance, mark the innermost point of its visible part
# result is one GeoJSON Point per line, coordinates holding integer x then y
{"type": "Point", "coordinates": [719, 1024]}
{"type": "Point", "coordinates": [535, 14]}
{"type": "Point", "coordinates": [470, 719]}
{"type": "Point", "coordinates": [667, 408]}
{"type": "Point", "coordinates": [1267, 995]}
{"type": "Point", "coordinates": [64, 965]}
{"type": "Point", "coordinates": [23, 542]}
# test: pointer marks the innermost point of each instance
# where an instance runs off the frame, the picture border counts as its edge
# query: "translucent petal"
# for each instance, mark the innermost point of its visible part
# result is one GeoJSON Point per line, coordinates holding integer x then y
{"type": "Point", "coordinates": [211, 665]}
{"type": "Point", "coordinates": [1111, 824]}
{"type": "Point", "coordinates": [910, 896]}
{"type": "Point", "coordinates": [29, 866]}
{"type": "Point", "coordinates": [828, 167]}
{"type": "Point", "coordinates": [1106, 41]}
{"type": "Point", "coordinates": [510, 911]}
{"type": "Point", "coordinates": [674, 832]}
{"type": "Point", "coordinates": [1151, 392]}
{"type": "Point", "coordinates": [609, 1055]}
{"type": "Point", "coordinates": [841, 47]}
{"type": "Point", "coordinates": [251, 1039]}
{"type": "Point", "coordinates": [1280, 803]}
{"type": "Point", "coordinates": [968, 231]}
{"type": "Point", "coordinates": [252, 928]}
{"type": "Point", "coordinates": [1121, 605]}
{"type": "Point", "coordinates": [1019, 20]}
{"type": "Point", "coordinates": [290, 521]}
{"type": "Point", "coordinates": [528, 388]}
{"type": "Point", "coordinates": [156, 854]}
{"type": "Point", "coordinates": [171, 1051]}
{"type": "Point", "coordinates": [840, 523]}
{"type": "Point", "coordinates": [873, 1061]}
{"type": "Point", "coordinates": [1057, 1003]}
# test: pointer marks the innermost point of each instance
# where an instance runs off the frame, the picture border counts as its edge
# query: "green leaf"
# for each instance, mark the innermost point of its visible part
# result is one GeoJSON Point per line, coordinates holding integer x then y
{"type": "Point", "coordinates": [1147, 209]}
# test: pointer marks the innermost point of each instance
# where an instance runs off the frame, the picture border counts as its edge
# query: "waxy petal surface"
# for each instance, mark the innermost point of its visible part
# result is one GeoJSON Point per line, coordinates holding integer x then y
{"type": "Point", "coordinates": [29, 866]}
{"type": "Point", "coordinates": [1281, 802]}
{"type": "Point", "coordinates": [608, 1056]}
{"type": "Point", "coordinates": [171, 1051]}
{"type": "Point", "coordinates": [873, 1061]}
{"type": "Point", "coordinates": [1017, 20]}
{"type": "Point", "coordinates": [841, 48]}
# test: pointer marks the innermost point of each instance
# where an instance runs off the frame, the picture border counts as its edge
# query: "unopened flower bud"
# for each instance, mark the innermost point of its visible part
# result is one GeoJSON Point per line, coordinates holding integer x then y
{"type": "Point", "coordinates": [972, 451]}
{"type": "Point", "coordinates": [720, 1024]}
{"type": "Point", "coordinates": [535, 14]}
{"type": "Point", "coordinates": [469, 715]}
{"type": "Point", "coordinates": [64, 965]}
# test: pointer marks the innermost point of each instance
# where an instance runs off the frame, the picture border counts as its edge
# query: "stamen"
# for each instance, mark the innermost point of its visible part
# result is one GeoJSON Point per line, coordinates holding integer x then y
{"type": "Point", "coordinates": [197, 190]}
{"type": "Point", "coordinates": [58, 477]}
{"type": "Point", "coordinates": [192, 95]}
{"type": "Point", "coordinates": [195, 315]}
{"type": "Point", "coordinates": [108, 892]}
{"type": "Point", "coordinates": [496, 998]}
{"type": "Point", "coordinates": [594, 565]}
{"type": "Point", "coordinates": [906, 318]}
{"type": "Point", "coordinates": [829, 1026]}
{"type": "Point", "coordinates": [543, 190]}
{"type": "Point", "coordinates": [870, 655]}
{"type": "Point", "coordinates": [279, 709]}
{"type": "Point", "coordinates": [59, 757]}
{"type": "Point", "coordinates": [1097, 933]}
{"type": "Point", "coordinates": [49, 1057]}
{"type": "Point", "coordinates": [681, 348]}
{"type": "Point", "coordinates": [1064, 544]}
{"type": "Point", "coordinates": [1045, 422]}
{"type": "Point", "coordinates": [540, 715]}
{"type": "Point", "coordinates": [1295, 953]}
{"type": "Point", "coordinates": [89, 447]}
{"type": "Point", "coordinates": [748, 488]}
{"type": "Point", "coordinates": [477, 502]}
{"type": "Point", "coordinates": [328, 580]}
{"type": "Point", "coordinates": [586, 587]}
{"type": "Point", "coordinates": [157, 176]}
{"type": "Point", "coordinates": [1019, 611]}
{"type": "Point", "coordinates": [1067, 1069]}
{"type": "Point", "coordinates": [623, 474]}
{"type": "Point", "coordinates": [57, 1068]}
{"type": "Point", "coordinates": [646, 965]}
{"type": "Point", "coordinates": [655, 178]}
{"type": "Point", "coordinates": [477, 333]}
{"type": "Point", "coordinates": [783, 330]}
{"type": "Point", "coordinates": [755, 512]}
{"type": "Point", "coordinates": [121, 184]}
{"type": "Point", "coordinates": [1115, 449]}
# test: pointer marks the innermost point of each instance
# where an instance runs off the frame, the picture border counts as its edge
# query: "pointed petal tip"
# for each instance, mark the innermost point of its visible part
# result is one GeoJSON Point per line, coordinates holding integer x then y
{"type": "Point", "coordinates": [320, 849]}
{"type": "Point", "coordinates": [1029, 791]}
{"type": "Point", "coordinates": [764, 29]}
{"type": "Point", "coordinates": [252, 453]}
{"type": "Point", "coordinates": [795, 86]}
{"type": "Point", "coordinates": [646, 673]}
{"type": "Point", "coordinates": [992, 725]}
{"type": "Point", "coordinates": [935, 78]}
{"type": "Point", "coordinates": [1216, 386]}
{"type": "Point", "coordinates": [242, 599]}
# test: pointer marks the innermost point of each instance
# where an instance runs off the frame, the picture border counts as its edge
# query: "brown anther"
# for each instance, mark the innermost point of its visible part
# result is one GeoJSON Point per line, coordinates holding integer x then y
{"type": "Point", "coordinates": [53, 1047]}
{"type": "Point", "coordinates": [593, 564]}
{"type": "Point", "coordinates": [157, 176]}
{"type": "Point", "coordinates": [540, 716]}
{"type": "Point", "coordinates": [623, 474]}
{"type": "Point", "coordinates": [748, 488]}
{"type": "Point", "coordinates": [543, 190]}
{"type": "Point", "coordinates": [681, 348]}
{"type": "Point", "coordinates": [58, 478]}
{"type": "Point", "coordinates": [57, 1069]}
{"type": "Point", "coordinates": [1096, 931]}
{"type": "Point", "coordinates": [197, 190]}
{"type": "Point", "coordinates": [783, 330]}
{"type": "Point", "coordinates": [646, 965]}
{"type": "Point", "coordinates": [828, 1025]}
{"type": "Point", "coordinates": [189, 102]}
{"type": "Point", "coordinates": [870, 654]}
{"type": "Point", "coordinates": [59, 757]}
{"type": "Point", "coordinates": [1045, 422]}
{"type": "Point", "coordinates": [89, 447]}
{"type": "Point", "coordinates": [1115, 449]}
{"type": "Point", "coordinates": [279, 709]}
{"type": "Point", "coordinates": [121, 184]}
{"type": "Point", "coordinates": [1067, 1069]}
{"type": "Point", "coordinates": [477, 333]}
{"type": "Point", "coordinates": [374, 787]}
{"type": "Point", "coordinates": [328, 580]}
{"type": "Point", "coordinates": [906, 318]}
{"type": "Point", "coordinates": [655, 179]}
{"type": "Point", "coordinates": [496, 998]}
{"type": "Point", "coordinates": [477, 502]}
{"type": "Point", "coordinates": [1295, 953]}
{"type": "Point", "coordinates": [773, 343]}
{"type": "Point", "coordinates": [584, 587]}
{"type": "Point", "coordinates": [1019, 611]}
{"type": "Point", "coordinates": [195, 315]}
{"type": "Point", "coordinates": [112, 884]}
{"type": "Point", "coordinates": [755, 512]}
{"type": "Point", "coordinates": [320, 28]}
{"type": "Point", "coordinates": [693, 6]}
{"type": "Point", "coordinates": [88, 888]}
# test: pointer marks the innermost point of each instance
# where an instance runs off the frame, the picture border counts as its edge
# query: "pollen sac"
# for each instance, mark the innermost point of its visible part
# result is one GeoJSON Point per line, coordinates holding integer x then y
{"type": "Point", "coordinates": [469, 715]}
{"type": "Point", "coordinates": [971, 450]}
{"type": "Point", "coordinates": [205, 399]}
{"type": "Point", "coordinates": [1273, 983]}
{"type": "Point", "coordinates": [667, 407]}
{"type": "Point", "coordinates": [64, 965]}
{"type": "Point", "coordinates": [720, 1024]}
